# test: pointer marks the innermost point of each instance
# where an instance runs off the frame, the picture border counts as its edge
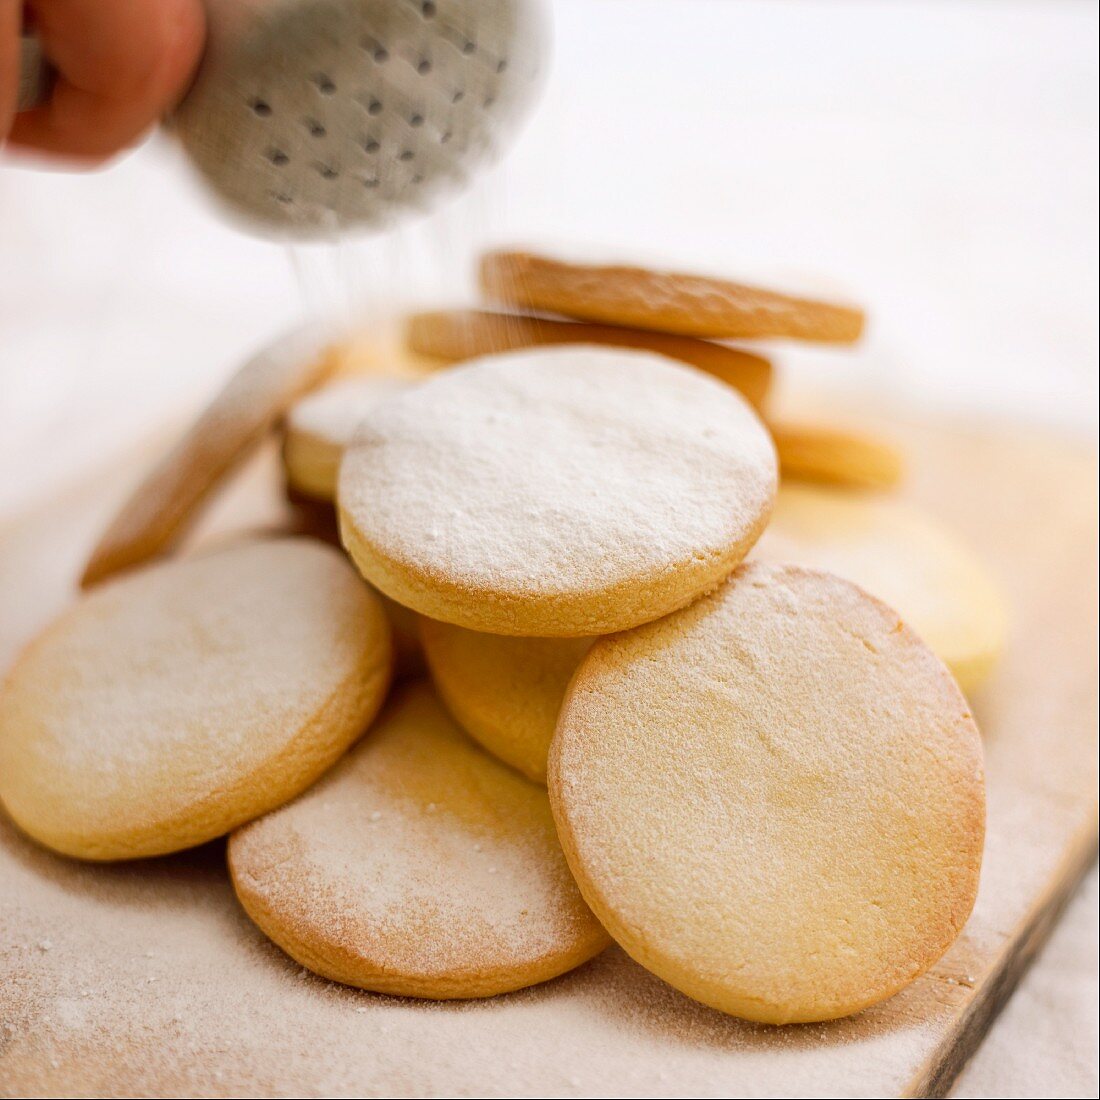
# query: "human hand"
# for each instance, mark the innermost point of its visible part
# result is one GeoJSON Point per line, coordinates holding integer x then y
{"type": "Point", "coordinates": [121, 65]}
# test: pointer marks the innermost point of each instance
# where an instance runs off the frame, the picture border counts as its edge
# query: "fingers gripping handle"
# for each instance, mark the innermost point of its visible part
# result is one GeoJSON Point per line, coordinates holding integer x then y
{"type": "Point", "coordinates": [35, 75]}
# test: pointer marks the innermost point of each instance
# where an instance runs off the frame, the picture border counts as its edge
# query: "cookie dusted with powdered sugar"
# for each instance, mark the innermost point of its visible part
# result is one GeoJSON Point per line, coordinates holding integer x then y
{"type": "Point", "coordinates": [556, 492]}
{"type": "Point", "coordinates": [320, 427]}
{"type": "Point", "coordinates": [174, 703]}
{"type": "Point", "coordinates": [419, 866]}
{"type": "Point", "coordinates": [774, 798]}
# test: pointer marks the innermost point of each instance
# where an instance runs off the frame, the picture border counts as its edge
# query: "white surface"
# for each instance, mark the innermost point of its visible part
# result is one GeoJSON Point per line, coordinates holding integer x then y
{"type": "Point", "coordinates": [1044, 1044]}
{"type": "Point", "coordinates": [937, 161]}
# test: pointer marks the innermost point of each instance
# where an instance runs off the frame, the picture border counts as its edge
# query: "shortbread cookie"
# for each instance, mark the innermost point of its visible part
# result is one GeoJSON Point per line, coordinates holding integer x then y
{"type": "Point", "coordinates": [420, 866]}
{"type": "Point", "coordinates": [773, 799]}
{"type": "Point", "coordinates": [505, 692]}
{"type": "Point", "coordinates": [456, 334]}
{"type": "Point", "coordinates": [835, 456]}
{"type": "Point", "coordinates": [171, 705]}
{"type": "Point", "coordinates": [665, 301]}
{"type": "Point", "coordinates": [904, 557]}
{"type": "Point", "coordinates": [557, 491]}
{"type": "Point", "coordinates": [170, 498]}
{"type": "Point", "coordinates": [320, 426]}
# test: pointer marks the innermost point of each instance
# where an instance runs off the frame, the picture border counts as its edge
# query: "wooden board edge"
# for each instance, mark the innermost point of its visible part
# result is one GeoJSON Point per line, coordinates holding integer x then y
{"type": "Point", "coordinates": [939, 1073]}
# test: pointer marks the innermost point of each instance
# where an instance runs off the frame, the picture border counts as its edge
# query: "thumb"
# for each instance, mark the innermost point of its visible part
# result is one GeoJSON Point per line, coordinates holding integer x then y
{"type": "Point", "coordinates": [121, 65]}
{"type": "Point", "coordinates": [11, 18]}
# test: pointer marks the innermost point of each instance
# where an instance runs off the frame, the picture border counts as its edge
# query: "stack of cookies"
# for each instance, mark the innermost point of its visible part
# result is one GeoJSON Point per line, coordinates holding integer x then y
{"type": "Point", "coordinates": [665, 703]}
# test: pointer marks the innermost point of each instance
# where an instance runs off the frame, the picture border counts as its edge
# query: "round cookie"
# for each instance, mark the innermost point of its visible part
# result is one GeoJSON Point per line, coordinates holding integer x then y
{"type": "Point", "coordinates": [773, 799]}
{"type": "Point", "coordinates": [903, 556]}
{"type": "Point", "coordinates": [835, 456]}
{"type": "Point", "coordinates": [457, 334]}
{"type": "Point", "coordinates": [505, 692]}
{"type": "Point", "coordinates": [175, 703]}
{"type": "Point", "coordinates": [169, 499]}
{"type": "Point", "coordinates": [556, 492]}
{"type": "Point", "coordinates": [420, 866]}
{"type": "Point", "coordinates": [665, 301]}
{"type": "Point", "coordinates": [321, 425]}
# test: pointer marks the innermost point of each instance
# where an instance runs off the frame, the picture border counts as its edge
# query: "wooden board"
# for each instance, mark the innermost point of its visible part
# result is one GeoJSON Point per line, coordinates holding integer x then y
{"type": "Point", "coordinates": [190, 999]}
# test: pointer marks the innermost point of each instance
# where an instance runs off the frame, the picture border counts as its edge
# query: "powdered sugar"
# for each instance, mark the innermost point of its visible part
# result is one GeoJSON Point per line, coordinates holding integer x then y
{"type": "Point", "coordinates": [333, 413]}
{"type": "Point", "coordinates": [558, 474]}
{"type": "Point", "coordinates": [164, 689]}
{"type": "Point", "coordinates": [230, 1015]}
{"type": "Point", "coordinates": [422, 862]}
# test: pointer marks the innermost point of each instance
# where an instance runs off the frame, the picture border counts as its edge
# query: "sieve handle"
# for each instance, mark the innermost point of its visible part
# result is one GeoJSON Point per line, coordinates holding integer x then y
{"type": "Point", "coordinates": [35, 74]}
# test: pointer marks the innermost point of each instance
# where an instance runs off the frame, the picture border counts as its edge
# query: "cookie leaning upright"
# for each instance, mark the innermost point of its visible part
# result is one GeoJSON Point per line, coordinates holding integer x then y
{"type": "Point", "coordinates": [171, 705]}
{"type": "Point", "coordinates": [169, 499]}
{"type": "Point", "coordinates": [556, 492]}
{"type": "Point", "coordinates": [773, 799]}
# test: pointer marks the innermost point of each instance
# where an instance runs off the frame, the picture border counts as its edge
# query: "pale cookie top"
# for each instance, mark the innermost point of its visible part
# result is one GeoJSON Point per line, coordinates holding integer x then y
{"type": "Point", "coordinates": [419, 865]}
{"type": "Point", "coordinates": [560, 491]}
{"type": "Point", "coordinates": [332, 413]}
{"type": "Point", "coordinates": [773, 799]}
{"type": "Point", "coordinates": [140, 717]}
{"type": "Point", "coordinates": [901, 555]}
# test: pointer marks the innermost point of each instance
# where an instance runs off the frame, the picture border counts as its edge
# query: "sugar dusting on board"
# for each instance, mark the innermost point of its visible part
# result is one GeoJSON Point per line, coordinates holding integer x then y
{"type": "Point", "coordinates": [228, 1013]}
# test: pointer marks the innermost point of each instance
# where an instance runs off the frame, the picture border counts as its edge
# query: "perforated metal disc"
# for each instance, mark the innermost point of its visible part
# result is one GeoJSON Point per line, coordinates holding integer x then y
{"type": "Point", "coordinates": [311, 117]}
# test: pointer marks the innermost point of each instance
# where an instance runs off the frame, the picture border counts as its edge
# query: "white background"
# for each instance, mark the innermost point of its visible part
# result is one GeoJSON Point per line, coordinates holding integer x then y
{"type": "Point", "coordinates": [935, 160]}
